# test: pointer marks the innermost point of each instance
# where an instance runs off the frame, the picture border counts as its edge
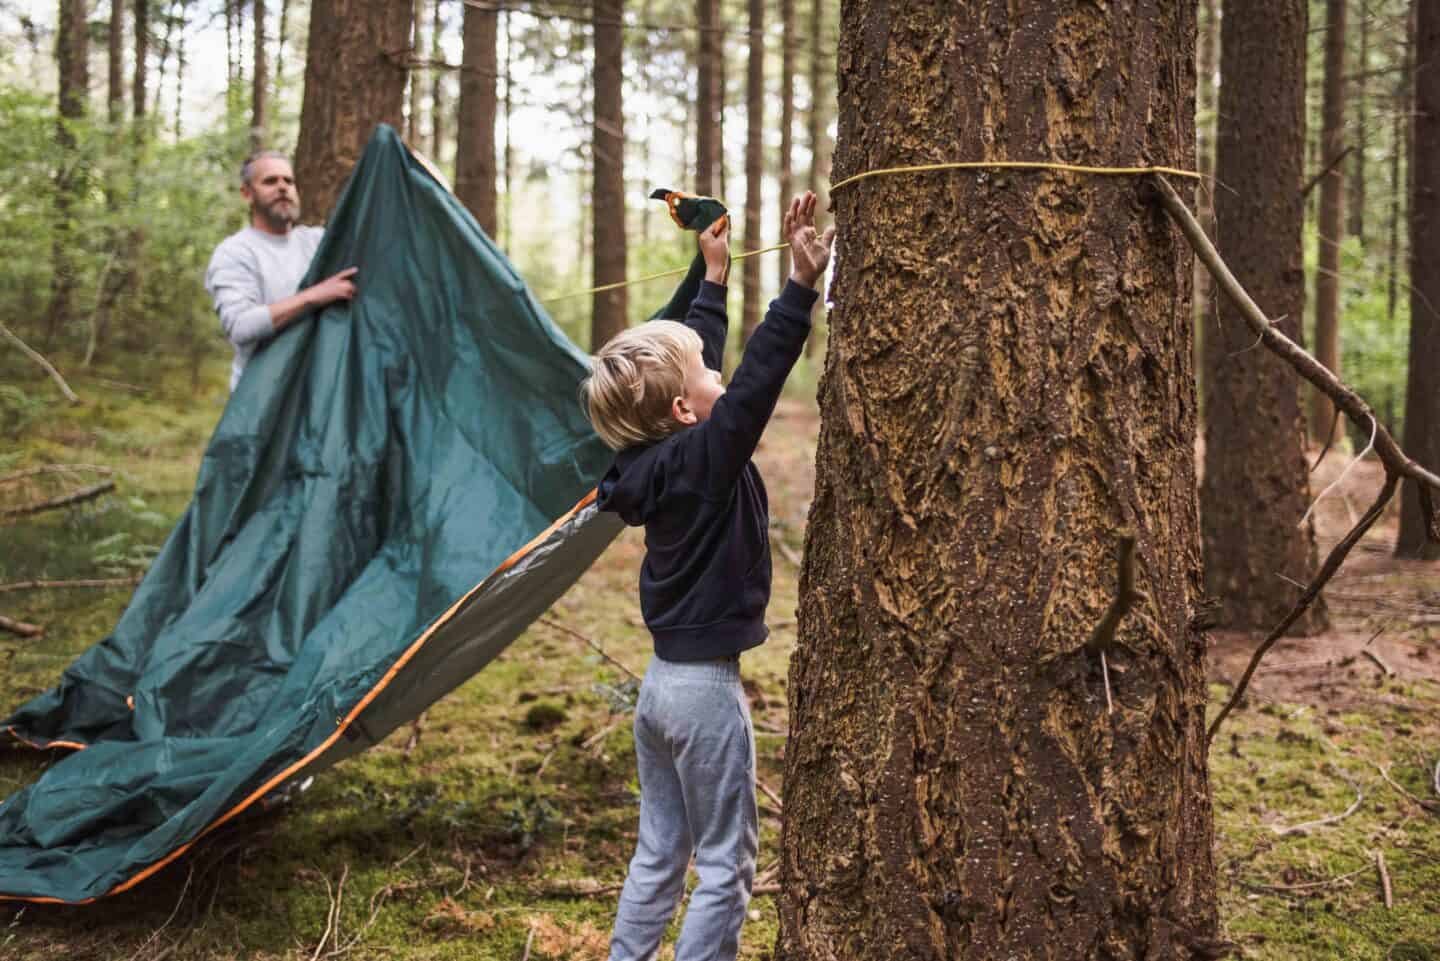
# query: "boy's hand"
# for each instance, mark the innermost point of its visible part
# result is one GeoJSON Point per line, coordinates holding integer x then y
{"type": "Point", "coordinates": [715, 247]}
{"type": "Point", "coordinates": [809, 252]}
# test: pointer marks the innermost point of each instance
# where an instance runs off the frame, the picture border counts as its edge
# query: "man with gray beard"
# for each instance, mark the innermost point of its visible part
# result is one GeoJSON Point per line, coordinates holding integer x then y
{"type": "Point", "coordinates": [254, 275]}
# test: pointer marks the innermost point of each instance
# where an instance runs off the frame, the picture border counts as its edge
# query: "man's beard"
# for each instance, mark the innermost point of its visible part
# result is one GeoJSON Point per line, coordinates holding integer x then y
{"type": "Point", "coordinates": [277, 219]}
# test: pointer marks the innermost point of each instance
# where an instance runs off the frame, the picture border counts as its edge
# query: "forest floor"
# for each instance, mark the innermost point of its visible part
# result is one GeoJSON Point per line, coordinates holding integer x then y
{"type": "Point", "coordinates": [491, 837]}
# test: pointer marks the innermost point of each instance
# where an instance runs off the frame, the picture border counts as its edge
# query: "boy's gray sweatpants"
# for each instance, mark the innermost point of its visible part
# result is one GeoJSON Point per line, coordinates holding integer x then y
{"type": "Point", "coordinates": [695, 750]}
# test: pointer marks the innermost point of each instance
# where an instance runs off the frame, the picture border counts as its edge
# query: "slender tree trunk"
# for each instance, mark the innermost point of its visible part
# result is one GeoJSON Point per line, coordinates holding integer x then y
{"type": "Point", "coordinates": [722, 94]}
{"type": "Point", "coordinates": [180, 63]}
{"type": "Point", "coordinates": [261, 75]}
{"type": "Point", "coordinates": [231, 46]}
{"type": "Point", "coordinates": [352, 83]}
{"type": "Point", "coordinates": [281, 39]}
{"type": "Point", "coordinates": [437, 85]}
{"type": "Point", "coordinates": [608, 192]}
{"type": "Point", "coordinates": [115, 61]}
{"type": "Point", "coordinates": [1008, 392]}
{"type": "Point", "coordinates": [475, 137]}
{"type": "Point", "coordinates": [1254, 424]}
{"type": "Point", "coordinates": [412, 119]}
{"type": "Point", "coordinates": [1356, 205]}
{"type": "Point", "coordinates": [165, 63]}
{"type": "Point", "coordinates": [72, 57]}
{"type": "Point", "coordinates": [509, 144]}
{"type": "Point", "coordinates": [1401, 129]}
{"type": "Point", "coordinates": [816, 122]}
{"type": "Point", "coordinates": [645, 56]}
{"type": "Point", "coordinates": [707, 97]}
{"type": "Point", "coordinates": [1206, 93]}
{"type": "Point", "coordinates": [787, 122]}
{"type": "Point", "coordinates": [754, 167]}
{"type": "Point", "coordinates": [1332, 218]}
{"type": "Point", "coordinates": [1422, 391]}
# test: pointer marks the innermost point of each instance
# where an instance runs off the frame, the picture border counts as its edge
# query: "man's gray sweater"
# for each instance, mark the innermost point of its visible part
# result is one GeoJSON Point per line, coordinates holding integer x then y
{"type": "Point", "coordinates": [248, 272]}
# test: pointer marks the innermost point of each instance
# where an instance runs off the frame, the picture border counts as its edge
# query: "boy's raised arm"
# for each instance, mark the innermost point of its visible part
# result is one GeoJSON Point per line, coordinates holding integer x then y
{"type": "Point", "coordinates": [707, 316]}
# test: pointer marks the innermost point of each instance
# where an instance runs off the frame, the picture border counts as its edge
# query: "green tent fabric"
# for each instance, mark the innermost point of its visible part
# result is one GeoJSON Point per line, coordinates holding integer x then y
{"type": "Point", "coordinates": [373, 464]}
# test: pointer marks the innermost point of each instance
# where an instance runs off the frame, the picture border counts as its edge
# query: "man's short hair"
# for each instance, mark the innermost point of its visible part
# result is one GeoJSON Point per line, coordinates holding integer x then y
{"type": "Point", "coordinates": [248, 167]}
{"type": "Point", "coordinates": [633, 381]}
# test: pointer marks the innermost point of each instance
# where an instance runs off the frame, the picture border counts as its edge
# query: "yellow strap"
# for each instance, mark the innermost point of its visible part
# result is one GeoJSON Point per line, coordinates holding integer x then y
{"type": "Point", "coordinates": [664, 273]}
{"type": "Point", "coordinates": [922, 168]}
{"type": "Point", "coordinates": [1018, 165]}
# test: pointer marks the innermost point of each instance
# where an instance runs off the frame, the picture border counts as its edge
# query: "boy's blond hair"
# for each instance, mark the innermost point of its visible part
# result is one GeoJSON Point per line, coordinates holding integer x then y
{"type": "Point", "coordinates": [633, 381]}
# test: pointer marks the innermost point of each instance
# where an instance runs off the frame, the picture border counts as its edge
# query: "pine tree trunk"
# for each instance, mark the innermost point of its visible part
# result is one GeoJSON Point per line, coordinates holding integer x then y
{"type": "Point", "coordinates": [787, 123]}
{"type": "Point", "coordinates": [72, 57]}
{"type": "Point", "coordinates": [258, 81]}
{"type": "Point", "coordinates": [707, 96]}
{"type": "Point", "coordinates": [1401, 130]}
{"type": "Point", "coordinates": [281, 39]}
{"type": "Point", "coordinates": [1422, 391]}
{"type": "Point", "coordinates": [816, 122]}
{"type": "Point", "coordinates": [509, 143]}
{"type": "Point", "coordinates": [164, 64]}
{"type": "Point", "coordinates": [722, 94]}
{"type": "Point", "coordinates": [115, 61]}
{"type": "Point", "coordinates": [754, 167]}
{"type": "Point", "coordinates": [475, 135]}
{"type": "Point", "coordinates": [1356, 205]}
{"type": "Point", "coordinates": [180, 62]}
{"type": "Point", "coordinates": [1254, 424]}
{"type": "Point", "coordinates": [608, 192]}
{"type": "Point", "coordinates": [352, 82]}
{"type": "Point", "coordinates": [1206, 93]}
{"type": "Point", "coordinates": [412, 113]}
{"type": "Point", "coordinates": [437, 86]}
{"type": "Point", "coordinates": [1332, 218]}
{"type": "Point", "coordinates": [114, 276]}
{"type": "Point", "coordinates": [1008, 390]}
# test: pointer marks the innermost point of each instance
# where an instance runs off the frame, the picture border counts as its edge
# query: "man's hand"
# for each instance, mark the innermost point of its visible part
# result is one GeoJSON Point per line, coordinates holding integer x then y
{"type": "Point", "coordinates": [336, 287]}
{"type": "Point", "coordinates": [809, 252]}
{"type": "Point", "coordinates": [715, 247]}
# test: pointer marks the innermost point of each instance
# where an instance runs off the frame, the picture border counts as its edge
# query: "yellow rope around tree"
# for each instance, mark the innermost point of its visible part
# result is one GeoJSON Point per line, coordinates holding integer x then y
{"type": "Point", "coordinates": [920, 168]}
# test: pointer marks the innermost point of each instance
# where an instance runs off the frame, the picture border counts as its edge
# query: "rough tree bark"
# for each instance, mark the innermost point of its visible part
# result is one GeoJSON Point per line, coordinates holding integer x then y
{"type": "Point", "coordinates": [437, 85]}
{"type": "Point", "coordinates": [1206, 93]}
{"type": "Point", "coordinates": [260, 77]}
{"type": "Point", "coordinates": [608, 146]}
{"type": "Point", "coordinates": [754, 167]}
{"type": "Point", "coordinates": [354, 79]}
{"type": "Point", "coordinates": [115, 61]}
{"type": "Point", "coordinates": [1332, 218]}
{"type": "Point", "coordinates": [1008, 391]}
{"type": "Point", "coordinates": [412, 109]}
{"type": "Point", "coordinates": [1355, 207]}
{"type": "Point", "coordinates": [786, 179]}
{"type": "Point", "coordinates": [707, 96]}
{"type": "Point", "coordinates": [72, 57]}
{"type": "Point", "coordinates": [816, 123]}
{"type": "Point", "coordinates": [1422, 392]}
{"type": "Point", "coordinates": [475, 133]}
{"type": "Point", "coordinates": [142, 51]}
{"type": "Point", "coordinates": [1254, 424]}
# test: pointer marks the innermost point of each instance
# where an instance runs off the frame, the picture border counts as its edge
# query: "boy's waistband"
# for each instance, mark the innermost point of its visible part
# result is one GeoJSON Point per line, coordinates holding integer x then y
{"type": "Point", "coordinates": [719, 670]}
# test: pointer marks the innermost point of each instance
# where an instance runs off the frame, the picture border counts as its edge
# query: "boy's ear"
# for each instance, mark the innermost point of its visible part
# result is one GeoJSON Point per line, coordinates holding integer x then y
{"type": "Point", "coordinates": [682, 413]}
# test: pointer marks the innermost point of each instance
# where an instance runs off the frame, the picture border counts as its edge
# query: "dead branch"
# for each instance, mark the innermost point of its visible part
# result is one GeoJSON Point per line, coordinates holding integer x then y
{"type": "Point", "coordinates": [1385, 669]}
{"type": "Point", "coordinates": [50, 585]}
{"type": "Point", "coordinates": [556, 625]}
{"type": "Point", "coordinates": [1103, 637]}
{"type": "Point", "coordinates": [1391, 455]}
{"type": "Point", "coordinates": [1325, 172]}
{"type": "Point", "coordinates": [1321, 822]}
{"type": "Point", "coordinates": [55, 469]}
{"type": "Point", "coordinates": [529, 940]}
{"type": "Point", "coordinates": [20, 627]}
{"type": "Point", "coordinates": [1307, 886]}
{"type": "Point", "coordinates": [1421, 803]}
{"type": "Point", "coordinates": [44, 364]}
{"type": "Point", "coordinates": [417, 728]}
{"type": "Point", "coordinates": [178, 901]}
{"type": "Point", "coordinates": [577, 888]}
{"type": "Point", "coordinates": [332, 917]}
{"type": "Point", "coordinates": [597, 740]}
{"type": "Point", "coordinates": [774, 798]}
{"type": "Point", "coordinates": [63, 500]}
{"type": "Point", "coordinates": [1385, 888]}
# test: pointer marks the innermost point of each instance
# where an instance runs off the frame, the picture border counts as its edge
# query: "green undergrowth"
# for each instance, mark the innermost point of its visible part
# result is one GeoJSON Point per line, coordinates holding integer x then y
{"type": "Point", "coordinates": [492, 823]}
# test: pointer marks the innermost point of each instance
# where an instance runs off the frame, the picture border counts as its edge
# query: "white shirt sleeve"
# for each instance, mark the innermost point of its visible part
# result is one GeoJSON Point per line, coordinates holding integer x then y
{"type": "Point", "coordinates": [234, 286]}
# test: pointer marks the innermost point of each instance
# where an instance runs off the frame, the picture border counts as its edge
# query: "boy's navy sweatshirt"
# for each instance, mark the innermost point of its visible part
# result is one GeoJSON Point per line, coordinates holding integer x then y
{"type": "Point", "coordinates": [705, 581]}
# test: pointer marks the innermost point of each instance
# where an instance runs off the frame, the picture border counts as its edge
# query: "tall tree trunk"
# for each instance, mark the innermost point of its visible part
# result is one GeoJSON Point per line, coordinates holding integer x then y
{"type": "Point", "coordinates": [72, 57]}
{"type": "Point", "coordinates": [165, 63]}
{"type": "Point", "coordinates": [281, 39]}
{"type": "Point", "coordinates": [1206, 93]}
{"type": "Point", "coordinates": [1401, 130]}
{"type": "Point", "coordinates": [180, 63]}
{"type": "Point", "coordinates": [1332, 218]}
{"type": "Point", "coordinates": [258, 81]}
{"type": "Point", "coordinates": [608, 192]}
{"type": "Point", "coordinates": [352, 83]}
{"type": "Point", "coordinates": [1008, 391]}
{"type": "Point", "coordinates": [412, 117]}
{"type": "Point", "coordinates": [475, 136]}
{"type": "Point", "coordinates": [722, 93]}
{"type": "Point", "coordinates": [1422, 391]}
{"type": "Point", "coordinates": [787, 122]}
{"type": "Point", "coordinates": [1356, 206]}
{"type": "Point", "coordinates": [232, 47]}
{"type": "Point", "coordinates": [817, 120]}
{"type": "Point", "coordinates": [754, 167]}
{"type": "Point", "coordinates": [1254, 424]}
{"type": "Point", "coordinates": [509, 142]}
{"type": "Point", "coordinates": [707, 96]}
{"type": "Point", "coordinates": [115, 61]}
{"type": "Point", "coordinates": [437, 84]}
{"type": "Point", "coordinates": [645, 57]}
